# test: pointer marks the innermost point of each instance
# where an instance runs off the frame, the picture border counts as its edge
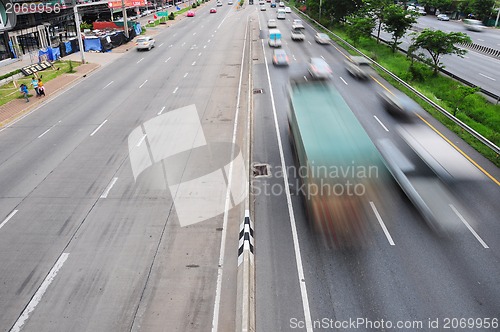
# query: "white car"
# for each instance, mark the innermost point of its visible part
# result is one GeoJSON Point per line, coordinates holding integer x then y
{"type": "Point", "coordinates": [288, 10]}
{"type": "Point", "coordinates": [319, 69]}
{"type": "Point", "coordinates": [443, 17]}
{"type": "Point", "coordinates": [271, 23]}
{"type": "Point", "coordinates": [262, 7]}
{"type": "Point", "coordinates": [145, 43]}
{"type": "Point", "coordinates": [322, 38]}
{"type": "Point", "coordinates": [219, 3]}
{"type": "Point", "coordinates": [281, 4]}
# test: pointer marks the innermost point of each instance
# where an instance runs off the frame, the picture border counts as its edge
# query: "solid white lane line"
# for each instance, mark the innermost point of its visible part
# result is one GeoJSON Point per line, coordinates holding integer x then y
{"type": "Point", "coordinates": [227, 204]}
{"type": "Point", "coordinates": [95, 131]}
{"type": "Point", "coordinates": [140, 60]}
{"type": "Point", "coordinates": [108, 85]}
{"type": "Point", "coordinates": [194, 62]}
{"type": "Point", "coordinates": [469, 227]}
{"type": "Point", "coordinates": [143, 84]}
{"type": "Point", "coordinates": [39, 293]}
{"type": "Point", "coordinates": [141, 140]}
{"type": "Point", "coordinates": [343, 80]}
{"type": "Point", "coordinates": [168, 59]}
{"type": "Point", "coordinates": [161, 111]}
{"type": "Point", "coordinates": [110, 185]}
{"type": "Point", "coordinates": [175, 90]}
{"type": "Point", "coordinates": [381, 222]}
{"type": "Point", "coordinates": [8, 218]}
{"type": "Point", "coordinates": [491, 78]}
{"type": "Point", "coordinates": [381, 123]}
{"type": "Point", "coordinates": [291, 214]}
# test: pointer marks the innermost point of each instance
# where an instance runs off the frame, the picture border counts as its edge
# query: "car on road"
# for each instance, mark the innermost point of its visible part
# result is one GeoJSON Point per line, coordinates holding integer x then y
{"type": "Point", "coordinates": [359, 67]}
{"type": "Point", "coordinates": [297, 35]}
{"type": "Point", "coordinates": [473, 25]}
{"type": "Point", "coordinates": [219, 3]}
{"type": "Point", "coordinates": [271, 23]}
{"type": "Point", "coordinates": [297, 24]}
{"type": "Point", "coordinates": [145, 43]}
{"type": "Point", "coordinates": [273, 4]}
{"type": "Point", "coordinates": [213, 10]}
{"type": "Point", "coordinates": [397, 103]}
{"type": "Point", "coordinates": [190, 13]}
{"type": "Point", "coordinates": [280, 58]}
{"type": "Point", "coordinates": [262, 7]}
{"type": "Point", "coordinates": [443, 17]}
{"type": "Point", "coordinates": [322, 38]}
{"type": "Point", "coordinates": [319, 69]}
{"type": "Point", "coordinates": [288, 10]}
{"type": "Point", "coordinates": [282, 4]}
{"type": "Point", "coordinates": [230, 2]}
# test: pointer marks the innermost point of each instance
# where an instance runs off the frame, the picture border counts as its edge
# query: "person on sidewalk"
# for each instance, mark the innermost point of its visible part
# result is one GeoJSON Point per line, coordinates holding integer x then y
{"type": "Point", "coordinates": [24, 91]}
{"type": "Point", "coordinates": [34, 83]}
{"type": "Point", "coordinates": [41, 88]}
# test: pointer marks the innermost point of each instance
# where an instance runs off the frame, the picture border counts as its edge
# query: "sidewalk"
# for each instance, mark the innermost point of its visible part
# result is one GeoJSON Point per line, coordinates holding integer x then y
{"type": "Point", "coordinates": [93, 61]}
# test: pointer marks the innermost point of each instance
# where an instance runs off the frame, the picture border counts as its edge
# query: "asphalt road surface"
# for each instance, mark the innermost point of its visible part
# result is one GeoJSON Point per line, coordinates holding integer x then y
{"type": "Point", "coordinates": [408, 274]}
{"type": "Point", "coordinates": [90, 237]}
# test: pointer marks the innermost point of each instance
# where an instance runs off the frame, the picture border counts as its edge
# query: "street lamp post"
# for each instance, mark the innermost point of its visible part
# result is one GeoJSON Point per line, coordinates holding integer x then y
{"type": "Point", "coordinates": [320, 2]}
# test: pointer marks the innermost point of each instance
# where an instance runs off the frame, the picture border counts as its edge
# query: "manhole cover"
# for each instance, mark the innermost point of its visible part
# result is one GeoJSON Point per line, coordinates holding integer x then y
{"type": "Point", "coordinates": [260, 170]}
{"type": "Point", "coordinates": [255, 91]}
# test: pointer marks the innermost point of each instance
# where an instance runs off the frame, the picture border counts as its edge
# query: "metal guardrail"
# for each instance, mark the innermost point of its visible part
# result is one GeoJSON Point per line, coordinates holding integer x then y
{"type": "Point", "coordinates": [468, 129]}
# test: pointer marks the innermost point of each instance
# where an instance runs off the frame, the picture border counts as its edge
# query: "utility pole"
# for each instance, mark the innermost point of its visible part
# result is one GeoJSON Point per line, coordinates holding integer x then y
{"type": "Point", "coordinates": [124, 15]}
{"type": "Point", "coordinates": [320, 11]}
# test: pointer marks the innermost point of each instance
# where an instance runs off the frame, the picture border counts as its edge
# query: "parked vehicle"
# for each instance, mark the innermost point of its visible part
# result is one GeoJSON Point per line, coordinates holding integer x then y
{"type": "Point", "coordinates": [443, 17]}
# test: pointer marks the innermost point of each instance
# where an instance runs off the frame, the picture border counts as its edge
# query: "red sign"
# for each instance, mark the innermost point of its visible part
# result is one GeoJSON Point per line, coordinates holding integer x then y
{"type": "Point", "coordinates": [128, 3]}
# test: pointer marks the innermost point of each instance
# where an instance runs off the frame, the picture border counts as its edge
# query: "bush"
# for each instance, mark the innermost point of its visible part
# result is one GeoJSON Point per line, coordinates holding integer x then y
{"type": "Point", "coordinates": [12, 73]}
{"type": "Point", "coordinates": [194, 5]}
{"type": "Point", "coordinates": [171, 16]}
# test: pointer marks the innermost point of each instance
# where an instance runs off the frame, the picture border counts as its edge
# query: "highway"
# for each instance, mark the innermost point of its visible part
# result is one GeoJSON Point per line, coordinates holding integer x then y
{"type": "Point", "coordinates": [90, 237]}
{"type": "Point", "coordinates": [115, 214]}
{"type": "Point", "coordinates": [479, 69]}
{"type": "Point", "coordinates": [409, 274]}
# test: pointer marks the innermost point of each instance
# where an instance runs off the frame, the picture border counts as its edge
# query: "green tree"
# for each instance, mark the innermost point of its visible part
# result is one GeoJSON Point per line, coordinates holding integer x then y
{"type": "Point", "coordinates": [358, 27]}
{"type": "Point", "coordinates": [482, 8]}
{"type": "Point", "coordinates": [461, 94]}
{"type": "Point", "coordinates": [375, 9]}
{"type": "Point", "coordinates": [397, 21]}
{"type": "Point", "coordinates": [438, 43]}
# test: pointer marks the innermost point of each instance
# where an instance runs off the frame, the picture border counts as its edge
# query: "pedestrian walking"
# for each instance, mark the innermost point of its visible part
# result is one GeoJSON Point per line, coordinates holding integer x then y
{"type": "Point", "coordinates": [24, 90]}
{"type": "Point", "coordinates": [34, 83]}
{"type": "Point", "coordinates": [41, 88]}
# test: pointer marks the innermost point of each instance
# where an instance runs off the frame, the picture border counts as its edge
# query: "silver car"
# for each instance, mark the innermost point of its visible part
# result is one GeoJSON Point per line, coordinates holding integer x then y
{"type": "Point", "coordinates": [280, 58]}
{"type": "Point", "coordinates": [319, 69]}
{"type": "Point", "coordinates": [145, 43]}
{"type": "Point", "coordinates": [322, 38]}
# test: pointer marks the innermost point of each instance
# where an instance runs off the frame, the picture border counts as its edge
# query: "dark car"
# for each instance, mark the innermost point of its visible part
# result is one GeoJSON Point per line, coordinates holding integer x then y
{"type": "Point", "coordinates": [280, 58]}
{"type": "Point", "coordinates": [273, 4]}
{"type": "Point", "coordinates": [397, 103]}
